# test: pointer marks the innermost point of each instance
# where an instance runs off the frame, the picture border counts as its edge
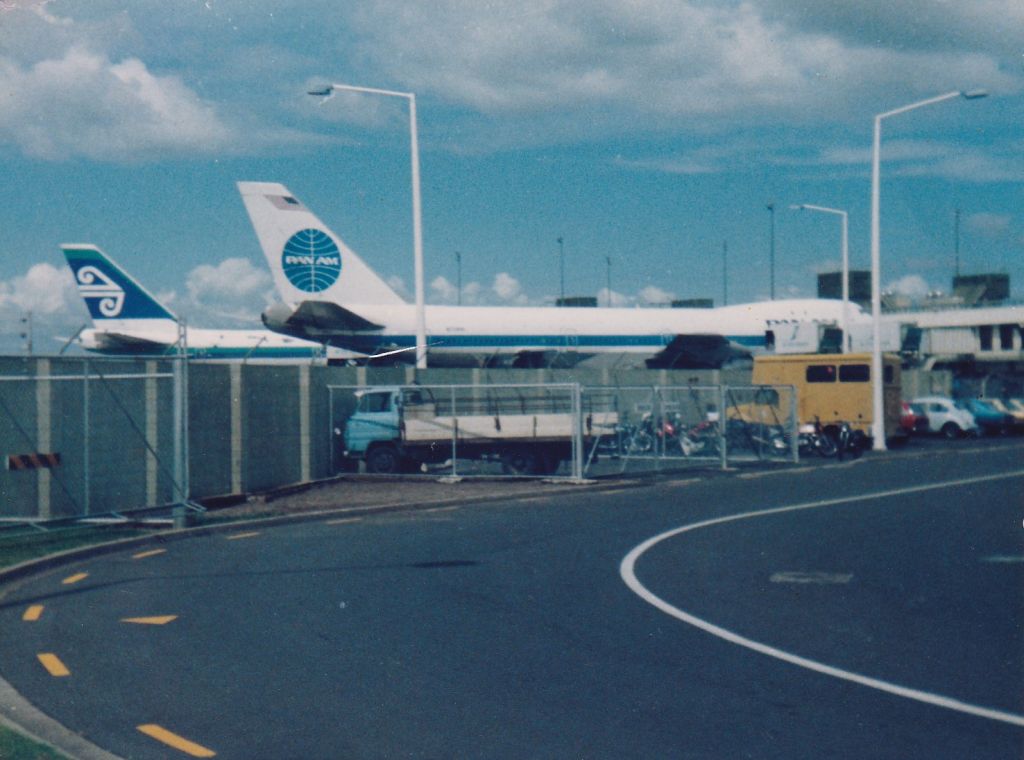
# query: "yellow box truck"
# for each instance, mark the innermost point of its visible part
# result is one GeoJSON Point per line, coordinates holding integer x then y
{"type": "Point", "coordinates": [834, 388]}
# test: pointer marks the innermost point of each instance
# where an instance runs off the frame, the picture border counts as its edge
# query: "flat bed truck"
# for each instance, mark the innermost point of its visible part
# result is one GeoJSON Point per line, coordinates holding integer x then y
{"type": "Point", "coordinates": [530, 431]}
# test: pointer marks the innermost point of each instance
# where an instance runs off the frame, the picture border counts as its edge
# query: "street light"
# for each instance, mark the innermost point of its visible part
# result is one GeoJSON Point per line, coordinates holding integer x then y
{"type": "Point", "coordinates": [608, 273]}
{"type": "Point", "coordinates": [458, 264]}
{"type": "Point", "coordinates": [561, 272]}
{"type": "Point", "coordinates": [878, 407]}
{"type": "Point", "coordinates": [771, 249]}
{"type": "Point", "coordinates": [846, 264]}
{"type": "Point", "coordinates": [417, 222]}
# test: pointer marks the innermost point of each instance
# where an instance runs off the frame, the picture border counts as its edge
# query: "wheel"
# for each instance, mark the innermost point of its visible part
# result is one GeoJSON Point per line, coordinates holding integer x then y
{"type": "Point", "coordinates": [827, 446]}
{"type": "Point", "coordinates": [951, 430]}
{"type": "Point", "coordinates": [519, 462]}
{"type": "Point", "coordinates": [642, 442]}
{"type": "Point", "coordinates": [383, 460]}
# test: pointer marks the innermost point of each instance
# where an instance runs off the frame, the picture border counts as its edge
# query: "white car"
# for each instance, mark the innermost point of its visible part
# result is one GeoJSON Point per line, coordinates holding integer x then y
{"type": "Point", "coordinates": [945, 417]}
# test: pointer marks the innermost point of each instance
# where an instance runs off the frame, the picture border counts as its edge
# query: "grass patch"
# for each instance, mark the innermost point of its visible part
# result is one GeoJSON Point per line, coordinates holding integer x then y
{"type": "Point", "coordinates": [23, 546]}
{"type": "Point", "coordinates": [14, 746]}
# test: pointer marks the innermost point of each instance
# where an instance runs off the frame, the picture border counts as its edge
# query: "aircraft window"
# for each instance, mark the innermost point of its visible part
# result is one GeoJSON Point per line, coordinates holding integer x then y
{"type": "Point", "coordinates": [854, 373]}
{"type": "Point", "coordinates": [821, 373]}
{"type": "Point", "coordinates": [985, 336]}
{"type": "Point", "coordinates": [291, 201]}
{"type": "Point", "coordinates": [1006, 337]}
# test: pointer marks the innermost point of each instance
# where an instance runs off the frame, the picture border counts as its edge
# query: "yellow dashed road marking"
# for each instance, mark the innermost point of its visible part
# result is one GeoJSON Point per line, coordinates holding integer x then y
{"type": "Point", "coordinates": [150, 553]}
{"type": "Point", "coordinates": [33, 613]}
{"type": "Point", "coordinates": [171, 739]}
{"type": "Point", "coordinates": [155, 620]}
{"type": "Point", "coordinates": [75, 578]}
{"type": "Point", "coordinates": [53, 665]}
{"type": "Point", "coordinates": [236, 536]}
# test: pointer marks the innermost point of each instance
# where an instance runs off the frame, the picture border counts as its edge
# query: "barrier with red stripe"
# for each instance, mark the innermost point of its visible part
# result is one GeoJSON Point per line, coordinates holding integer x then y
{"type": "Point", "coordinates": [33, 461]}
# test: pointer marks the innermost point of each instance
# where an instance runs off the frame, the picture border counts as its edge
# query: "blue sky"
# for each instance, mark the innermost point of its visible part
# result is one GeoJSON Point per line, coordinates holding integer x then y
{"type": "Point", "coordinates": [648, 132]}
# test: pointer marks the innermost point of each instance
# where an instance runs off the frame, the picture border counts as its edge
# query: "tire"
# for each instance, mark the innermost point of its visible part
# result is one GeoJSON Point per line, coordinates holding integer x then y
{"type": "Point", "coordinates": [951, 430]}
{"type": "Point", "coordinates": [519, 462]}
{"type": "Point", "coordinates": [383, 460]}
{"type": "Point", "coordinates": [827, 446]}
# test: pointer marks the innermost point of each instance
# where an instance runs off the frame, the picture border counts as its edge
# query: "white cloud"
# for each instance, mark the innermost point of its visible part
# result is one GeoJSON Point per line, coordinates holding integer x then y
{"type": "Point", "coordinates": [84, 104]}
{"type": "Point", "coordinates": [233, 288]}
{"type": "Point", "coordinates": [912, 285]}
{"type": "Point", "coordinates": [653, 295]}
{"type": "Point", "coordinates": [50, 295]}
{"type": "Point", "coordinates": [44, 290]}
{"type": "Point", "coordinates": [665, 60]}
{"type": "Point", "coordinates": [989, 225]}
{"type": "Point", "coordinates": [507, 289]}
{"type": "Point", "coordinates": [443, 290]}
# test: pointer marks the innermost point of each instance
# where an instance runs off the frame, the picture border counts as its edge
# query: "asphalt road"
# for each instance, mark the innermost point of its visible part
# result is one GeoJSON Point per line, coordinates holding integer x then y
{"type": "Point", "coordinates": [871, 610]}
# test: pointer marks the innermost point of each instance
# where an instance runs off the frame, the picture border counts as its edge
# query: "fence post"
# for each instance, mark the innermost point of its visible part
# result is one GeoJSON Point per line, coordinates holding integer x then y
{"type": "Point", "coordinates": [577, 438]}
{"type": "Point", "coordinates": [180, 488]}
{"type": "Point", "coordinates": [723, 423]}
{"type": "Point", "coordinates": [86, 438]}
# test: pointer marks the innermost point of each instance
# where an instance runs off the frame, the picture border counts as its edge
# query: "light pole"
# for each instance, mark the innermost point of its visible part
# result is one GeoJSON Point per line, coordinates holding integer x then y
{"type": "Point", "coordinates": [417, 222]}
{"type": "Point", "coordinates": [771, 248]}
{"type": "Point", "coordinates": [561, 272]}
{"type": "Point", "coordinates": [725, 273]}
{"type": "Point", "coordinates": [877, 380]}
{"type": "Point", "coordinates": [608, 278]}
{"type": "Point", "coordinates": [458, 266]}
{"type": "Point", "coordinates": [846, 264]}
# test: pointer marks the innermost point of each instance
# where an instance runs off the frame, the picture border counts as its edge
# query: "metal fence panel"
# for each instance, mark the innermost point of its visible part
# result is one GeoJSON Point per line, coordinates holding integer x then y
{"type": "Point", "coordinates": [516, 430]}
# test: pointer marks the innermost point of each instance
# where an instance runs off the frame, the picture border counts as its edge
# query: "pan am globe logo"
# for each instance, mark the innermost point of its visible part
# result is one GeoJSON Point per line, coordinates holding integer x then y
{"type": "Point", "coordinates": [311, 261]}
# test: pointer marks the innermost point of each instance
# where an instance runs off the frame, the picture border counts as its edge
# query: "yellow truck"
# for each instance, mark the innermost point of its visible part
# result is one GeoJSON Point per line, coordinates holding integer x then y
{"type": "Point", "coordinates": [833, 388]}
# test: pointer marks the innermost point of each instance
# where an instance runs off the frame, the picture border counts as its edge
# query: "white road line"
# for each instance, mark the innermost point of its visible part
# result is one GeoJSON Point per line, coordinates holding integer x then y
{"type": "Point", "coordinates": [627, 570]}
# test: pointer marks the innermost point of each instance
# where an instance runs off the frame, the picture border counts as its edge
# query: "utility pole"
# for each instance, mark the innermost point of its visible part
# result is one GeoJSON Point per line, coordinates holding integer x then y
{"type": "Point", "coordinates": [771, 248]}
{"type": "Point", "coordinates": [458, 264]}
{"type": "Point", "coordinates": [956, 243]}
{"type": "Point", "coordinates": [608, 263]}
{"type": "Point", "coordinates": [561, 271]}
{"type": "Point", "coordinates": [725, 273]}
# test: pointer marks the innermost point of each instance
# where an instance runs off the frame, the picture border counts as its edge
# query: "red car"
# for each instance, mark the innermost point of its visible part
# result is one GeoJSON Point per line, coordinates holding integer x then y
{"type": "Point", "coordinates": [912, 418]}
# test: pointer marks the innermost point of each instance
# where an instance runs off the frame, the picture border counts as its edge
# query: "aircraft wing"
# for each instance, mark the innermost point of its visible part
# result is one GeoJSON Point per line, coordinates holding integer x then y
{"type": "Point", "coordinates": [107, 340]}
{"type": "Point", "coordinates": [694, 352]}
{"type": "Point", "coordinates": [316, 320]}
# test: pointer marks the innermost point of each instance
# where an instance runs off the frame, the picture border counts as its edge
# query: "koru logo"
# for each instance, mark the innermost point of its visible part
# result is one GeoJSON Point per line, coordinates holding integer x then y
{"type": "Point", "coordinates": [311, 261]}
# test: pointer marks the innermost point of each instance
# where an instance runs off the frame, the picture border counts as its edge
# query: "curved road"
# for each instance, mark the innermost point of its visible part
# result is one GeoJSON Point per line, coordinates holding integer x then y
{"type": "Point", "coordinates": [506, 630]}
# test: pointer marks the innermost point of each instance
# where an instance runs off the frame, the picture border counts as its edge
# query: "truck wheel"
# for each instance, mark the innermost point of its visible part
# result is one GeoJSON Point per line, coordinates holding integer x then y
{"type": "Point", "coordinates": [519, 462]}
{"type": "Point", "coordinates": [383, 460]}
{"type": "Point", "coordinates": [951, 430]}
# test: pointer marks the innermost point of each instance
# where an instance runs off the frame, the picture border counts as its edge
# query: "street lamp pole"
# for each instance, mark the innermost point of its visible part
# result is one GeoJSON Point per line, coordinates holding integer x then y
{"type": "Point", "coordinates": [771, 248]}
{"type": "Point", "coordinates": [417, 221]}
{"type": "Point", "coordinates": [846, 264]}
{"type": "Point", "coordinates": [458, 265]}
{"type": "Point", "coordinates": [561, 272]}
{"type": "Point", "coordinates": [608, 263]}
{"type": "Point", "coordinates": [877, 380]}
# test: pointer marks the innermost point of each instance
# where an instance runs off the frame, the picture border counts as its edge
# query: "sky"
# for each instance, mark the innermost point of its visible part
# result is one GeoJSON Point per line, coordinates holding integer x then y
{"type": "Point", "coordinates": [650, 136]}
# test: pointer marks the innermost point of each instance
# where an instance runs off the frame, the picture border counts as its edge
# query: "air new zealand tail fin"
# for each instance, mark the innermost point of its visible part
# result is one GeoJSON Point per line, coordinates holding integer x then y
{"type": "Point", "coordinates": [110, 293]}
{"type": "Point", "coordinates": [308, 261]}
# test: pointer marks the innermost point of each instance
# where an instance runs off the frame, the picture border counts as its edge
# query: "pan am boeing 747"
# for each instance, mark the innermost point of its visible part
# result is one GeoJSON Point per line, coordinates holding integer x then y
{"type": "Point", "coordinates": [331, 295]}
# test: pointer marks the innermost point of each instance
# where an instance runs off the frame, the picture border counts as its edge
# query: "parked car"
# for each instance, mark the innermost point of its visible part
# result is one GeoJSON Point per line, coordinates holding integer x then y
{"type": "Point", "coordinates": [990, 420]}
{"type": "Point", "coordinates": [946, 418]}
{"type": "Point", "coordinates": [913, 419]}
{"type": "Point", "coordinates": [1014, 407]}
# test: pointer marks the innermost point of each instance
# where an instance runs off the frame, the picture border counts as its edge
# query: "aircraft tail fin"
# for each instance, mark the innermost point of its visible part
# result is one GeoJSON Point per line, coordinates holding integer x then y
{"type": "Point", "coordinates": [308, 261]}
{"type": "Point", "coordinates": [110, 293]}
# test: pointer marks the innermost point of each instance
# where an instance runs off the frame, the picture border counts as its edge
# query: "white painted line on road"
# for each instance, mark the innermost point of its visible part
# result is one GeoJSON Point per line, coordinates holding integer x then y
{"type": "Point", "coordinates": [627, 570]}
{"type": "Point", "coordinates": [1004, 559]}
{"type": "Point", "coordinates": [815, 577]}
